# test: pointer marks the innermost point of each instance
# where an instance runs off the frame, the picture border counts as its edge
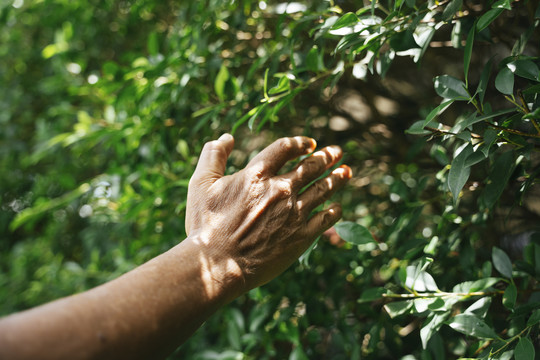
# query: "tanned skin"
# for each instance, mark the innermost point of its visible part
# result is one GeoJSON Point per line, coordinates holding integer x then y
{"type": "Point", "coordinates": [243, 230]}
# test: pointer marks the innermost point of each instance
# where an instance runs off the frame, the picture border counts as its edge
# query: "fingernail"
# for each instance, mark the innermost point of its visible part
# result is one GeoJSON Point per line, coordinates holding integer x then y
{"type": "Point", "coordinates": [312, 146]}
{"type": "Point", "coordinates": [347, 170]}
{"type": "Point", "coordinates": [225, 137]}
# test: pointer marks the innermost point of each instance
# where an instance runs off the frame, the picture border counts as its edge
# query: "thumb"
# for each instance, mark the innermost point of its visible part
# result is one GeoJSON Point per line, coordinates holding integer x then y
{"type": "Point", "coordinates": [213, 159]}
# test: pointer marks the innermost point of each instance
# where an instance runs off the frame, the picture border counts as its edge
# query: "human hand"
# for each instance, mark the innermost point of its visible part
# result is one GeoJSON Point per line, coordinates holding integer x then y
{"type": "Point", "coordinates": [256, 221]}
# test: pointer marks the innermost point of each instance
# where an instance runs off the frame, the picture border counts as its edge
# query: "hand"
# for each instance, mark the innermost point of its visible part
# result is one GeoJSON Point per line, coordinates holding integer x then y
{"type": "Point", "coordinates": [256, 221]}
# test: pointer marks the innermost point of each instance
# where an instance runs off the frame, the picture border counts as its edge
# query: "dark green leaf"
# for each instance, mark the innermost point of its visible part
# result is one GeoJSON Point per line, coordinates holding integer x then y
{"type": "Point", "coordinates": [451, 9]}
{"type": "Point", "coordinates": [484, 79]}
{"type": "Point", "coordinates": [459, 172]}
{"type": "Point", "coordinates": [353, 233]}
{"type": "Point", "coordinates": [504, 82]}
{"type": "Point", "coordinates": [510, 296]}
{"type": "Point", "coordinates": [467, 55]}
{"type": "Point", "coordinates": [471, 325]}
{"type": "Point", "coordinates": [502, 4]}
{"type": "Point", "coordinates": [535, 318]}
{"type": "Point", "coordinates": [502, 262]}
{"type": "Point", "coordinates": [524, 350]}
{"type": "Point", "coordinates": [449, 87]}
{"type": "Point", "coordinates": [438, 110]}
{"type": "Point", "coordinates": [488, 18]}
{"type": "Point", "coordinates": [372, 294]}
{"type": "Point", "coordinates": [525, 69]}
{"type": "Point", "coordinates": [498, 178]}
{"type": "Point", "coordinates": [403, 40]}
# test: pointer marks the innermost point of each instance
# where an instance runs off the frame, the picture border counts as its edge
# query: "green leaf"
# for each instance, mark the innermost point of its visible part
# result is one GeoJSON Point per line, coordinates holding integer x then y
{"type": "Point", "coordinates": [498, 178]}
{"type": "Point", "coordinates": [510, 296]}
{"type": "Point", "coordinates": [283, 85]}
{"type": "Point", "coordinates": [398, 308]}
{"type": "Point", "coordinates": [432, 324]}
{"type": "Point", "coordinates": [348, 19]}
{"type": "Point", "coordinates": [372, 294]}
{"type": "Point", "coordinates": [403, 40]}
{"type": "Point", "coordinates": [451, 9]}
{"type": "Point", "coordinates": [502, 4]}
{"type": "Point", "coordinates": [479, 307]}
{"type": "Point", "coordinates": [459, 172]}
{"type": "Point", "coordinates": [312, 59]}
{"type": "Point", "coordinates": [467, 56]}
{"type": "Point", "coordinates": [525, 69]}
{"type": "Point", "coordinates": [449, 87]}
{"type": "Point", "coordinates": [354, 233]}
{"type": "Point", "coordinates": [484, 79]}
{"type": "Point", "coordinates": [502, 262]}
{"type": "Point", "coordinates": [471, 325]}
{"type": "Point", "coordinates": [474, 286]}
{"type": "Point", "coordinates": [419, 280]}
{"type": "Point", "coordinates": [524, 350]}
{"type": "Point", "coordinates": [488, 18]}
{"type": "Point", "coordinates": [221, 80]}
{"type": "Point", "coordinates": [438, 110]}
{"type": "Point", "coordinates": [504, 82]}
{"type": "Point", "coordinates": [534, 319]}
{"type": "Point", "coordinates": [153, 45]}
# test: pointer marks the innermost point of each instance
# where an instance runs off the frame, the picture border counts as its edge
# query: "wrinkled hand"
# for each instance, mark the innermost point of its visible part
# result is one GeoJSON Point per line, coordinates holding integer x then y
{"type": "Point", "coordinates": [256, 219]}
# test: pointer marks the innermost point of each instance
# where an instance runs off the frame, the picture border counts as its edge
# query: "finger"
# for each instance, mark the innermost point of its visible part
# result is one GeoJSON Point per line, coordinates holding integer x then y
{"type": "Point", "coordinates": [323, 189]}
{"type": "Point", "coordinates": [213, 159]}
{"type": "Point", "coordinates": [322, 221]}
{"type": "Point", "coordinates": [314, 166]}
{"type": "Point", "coordinates": [269, 161]}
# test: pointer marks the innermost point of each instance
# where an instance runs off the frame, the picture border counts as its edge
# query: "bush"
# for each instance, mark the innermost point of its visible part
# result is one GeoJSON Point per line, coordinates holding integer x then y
{"type": "Point", "coordinates": [106, 107]}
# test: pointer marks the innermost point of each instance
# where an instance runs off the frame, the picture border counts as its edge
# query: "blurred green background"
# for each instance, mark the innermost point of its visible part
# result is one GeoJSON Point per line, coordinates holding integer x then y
{"type": "Point", "coordinates": [105, 106]}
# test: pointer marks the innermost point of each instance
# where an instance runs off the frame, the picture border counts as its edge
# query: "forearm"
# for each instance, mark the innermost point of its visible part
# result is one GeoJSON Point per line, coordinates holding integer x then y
{"type": "Point", "coordinates": [154, 307]}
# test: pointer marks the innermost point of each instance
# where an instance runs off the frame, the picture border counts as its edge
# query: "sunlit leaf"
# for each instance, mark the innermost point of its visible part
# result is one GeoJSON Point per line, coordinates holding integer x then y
{"type": "Point", "coordinates": [449, 87]}
{"type": "Point", "coordinates": [471, 325]}
{"type": "Point", "coordinates": [398, 308]}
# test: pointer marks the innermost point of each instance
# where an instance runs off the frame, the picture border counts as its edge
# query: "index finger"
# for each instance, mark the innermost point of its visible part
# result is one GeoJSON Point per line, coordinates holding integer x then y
{"type": "Point", "coordinates": [269, 161]}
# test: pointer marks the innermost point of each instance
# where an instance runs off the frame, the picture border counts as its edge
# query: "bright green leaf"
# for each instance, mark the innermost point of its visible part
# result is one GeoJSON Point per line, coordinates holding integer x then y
{"type": "Point", "coordinates": [432, 324]}
{"type": "Point", "coordinates": [221, 80]}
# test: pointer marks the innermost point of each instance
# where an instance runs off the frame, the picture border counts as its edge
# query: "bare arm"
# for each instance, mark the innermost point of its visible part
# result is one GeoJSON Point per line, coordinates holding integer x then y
{"type": "Point", "coordinates": [243, 230]}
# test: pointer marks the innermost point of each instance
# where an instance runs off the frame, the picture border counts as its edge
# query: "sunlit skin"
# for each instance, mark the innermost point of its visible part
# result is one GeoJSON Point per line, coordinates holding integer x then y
{"type": "Point", "coordinates": [243, 230]}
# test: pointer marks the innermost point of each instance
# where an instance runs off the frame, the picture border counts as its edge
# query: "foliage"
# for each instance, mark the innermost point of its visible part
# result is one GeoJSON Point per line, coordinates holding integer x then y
{"type": "Point", "coordinates": [107, 105]}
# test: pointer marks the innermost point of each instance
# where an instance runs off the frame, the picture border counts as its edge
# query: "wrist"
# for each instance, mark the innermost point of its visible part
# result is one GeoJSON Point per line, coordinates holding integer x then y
{"type": "Point", "coordinates": [221, 276]}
